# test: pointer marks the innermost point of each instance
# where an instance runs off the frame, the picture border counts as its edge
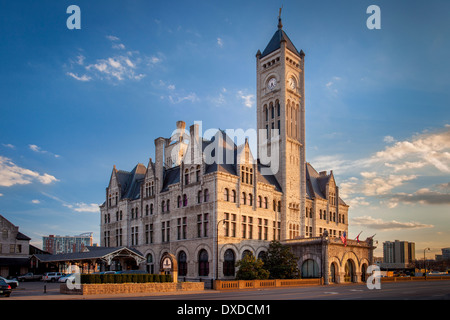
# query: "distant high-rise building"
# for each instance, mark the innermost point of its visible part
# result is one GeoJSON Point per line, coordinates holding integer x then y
{"type": "Point", "coordinates": [66, 244]}
{"type": "Point", "coordinates": [398, 253]}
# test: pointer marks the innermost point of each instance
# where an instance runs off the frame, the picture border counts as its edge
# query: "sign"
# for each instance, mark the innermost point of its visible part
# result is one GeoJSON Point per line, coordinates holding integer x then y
{"type": "Point", "coordinates": [167, 264]}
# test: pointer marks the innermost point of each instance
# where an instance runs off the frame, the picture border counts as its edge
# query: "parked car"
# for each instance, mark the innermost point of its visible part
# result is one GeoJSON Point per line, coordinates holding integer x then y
{"type": "Point", "coordinates": [30, 276]}
{"type": "Point", "coordinates": [52, 276]}
{"type": "Point", "coordinates": [5, 289]}
{"type": "Point", "coordinates": [70, 277]}
{"type": "Point", "coordinates": [12, 282]}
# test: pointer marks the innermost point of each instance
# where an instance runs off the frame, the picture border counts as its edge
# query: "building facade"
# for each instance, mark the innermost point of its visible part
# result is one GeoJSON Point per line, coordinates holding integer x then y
{"type": "Point", "coordinates": [208, 214]}
{"type": "Point", "coordinates": [398, 254]}
{"type": "Point", "coordinates": [66, 244]}
{"type": "Point", "coordinates": [14, 249]}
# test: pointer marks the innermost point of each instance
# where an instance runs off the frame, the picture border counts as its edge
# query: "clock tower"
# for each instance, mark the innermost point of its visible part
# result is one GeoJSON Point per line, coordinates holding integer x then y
{"type": "Point", "coordinates": [281, 115]}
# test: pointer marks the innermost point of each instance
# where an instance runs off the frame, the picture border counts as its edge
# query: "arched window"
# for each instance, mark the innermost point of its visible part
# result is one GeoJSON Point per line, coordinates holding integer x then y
{"type": "Point", "coordinates": [265, 203]}
{"type": "Point", "coordinates": [168, 205]}
{"type": "Point", "coordinates": [186, 176]}
{"type": "Point", "coordinates": [250, 199]}
{"type": "Point", "coordinates": [226, 194]}
{"type": "Point", "coordinates": [203, 264]}
{"type": "Point", "coordinates": [151, 209]}
{"type": "Point", "coordinates": [246, 253]}
{"type": "Point", "coordinates": [146, 210]}
{"type": "Point", "coordinates": [179, 202]}
{"type": "Point", "coordinates": [228, 263]}
{"type": "Point", "coordinates": [310, 269]}
{"type": "Point", "coordinates": [279, 206]}
{"type": "Point", "coordinates": [163, 205]}
{"type": "Point", "coordinates": [182, 263]}
{"type": "Point", "coordinates": [149, 264]}
{"type": "Point", "coordinates": [262, 255]}
{"type": "Point", "coordinates": [199, 197]}
{"type": "Point", "coordinates": [206, 195]}
{"type": "Point", "coordinates": [233, 193]}
{"type": "Point", "coordinates": [185, 200]}
{"type": "Point", "coordinates": [197, 174]}
{"type": "Point", "coordinates": [260, 201]}
{"type": "Point", "coordinates": [244, 198]}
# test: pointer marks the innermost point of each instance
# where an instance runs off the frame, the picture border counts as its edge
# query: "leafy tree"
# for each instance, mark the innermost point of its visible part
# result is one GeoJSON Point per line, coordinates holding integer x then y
{"type": "Point", "coordinates": [251, 268]}
{"type": "Point", "coordinates": [281, 262]}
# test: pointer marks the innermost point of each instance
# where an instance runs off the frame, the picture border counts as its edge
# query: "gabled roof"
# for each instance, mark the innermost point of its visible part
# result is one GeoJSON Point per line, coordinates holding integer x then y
{"type": "Point", "coordinates": [130, 181]}
{"type": "Point", "coordinates": [316, 183]}
{"type": "Point", "coordinates": [91, 253]}
{"type": "Point", "coordinates": [275, 43]}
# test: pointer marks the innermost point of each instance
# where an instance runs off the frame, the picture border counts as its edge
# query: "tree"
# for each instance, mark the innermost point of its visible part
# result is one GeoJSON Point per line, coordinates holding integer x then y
{"type": "Point", "coordinates": [251, 268]}
{"type": "Point", "coordinates": [281, 262]}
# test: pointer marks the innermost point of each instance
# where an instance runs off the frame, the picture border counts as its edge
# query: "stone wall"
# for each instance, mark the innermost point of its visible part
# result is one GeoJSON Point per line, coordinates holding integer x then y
{"type": "Point", "coordinates": [120, 288]}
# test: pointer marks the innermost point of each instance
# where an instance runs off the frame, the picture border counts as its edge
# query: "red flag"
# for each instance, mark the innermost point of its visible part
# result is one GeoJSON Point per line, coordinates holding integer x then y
{"type": "Point", "coordinates": [357, 237]}
{"type": "Point", "coordinates": [344, 238]}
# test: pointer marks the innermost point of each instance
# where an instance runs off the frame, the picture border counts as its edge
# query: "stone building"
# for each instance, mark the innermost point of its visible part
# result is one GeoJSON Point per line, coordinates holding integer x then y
{"type": "Point", "coordinates": [14, 249]}
{"type": "Point", "coordinates": [208, 214]}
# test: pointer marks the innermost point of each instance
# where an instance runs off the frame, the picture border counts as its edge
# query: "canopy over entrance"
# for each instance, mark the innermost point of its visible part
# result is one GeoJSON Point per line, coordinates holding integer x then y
{"type": "Point", "coordinates": [119, 257]}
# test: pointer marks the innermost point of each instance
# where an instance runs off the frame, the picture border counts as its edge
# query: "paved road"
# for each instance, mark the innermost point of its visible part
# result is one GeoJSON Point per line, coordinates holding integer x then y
{"type": "Point", "coordinates": [430, 290]}
{"type": "Point", "coordinates": [423, 290]}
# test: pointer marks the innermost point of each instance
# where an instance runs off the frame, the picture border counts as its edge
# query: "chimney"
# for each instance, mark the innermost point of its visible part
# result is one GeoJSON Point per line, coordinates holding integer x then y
{"type": "Point", "coordinates": [181, 126]}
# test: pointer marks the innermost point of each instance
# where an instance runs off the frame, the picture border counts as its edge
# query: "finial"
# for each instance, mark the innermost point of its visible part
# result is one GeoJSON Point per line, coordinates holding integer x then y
{"type": "Point", "coordinates": [280, 25]}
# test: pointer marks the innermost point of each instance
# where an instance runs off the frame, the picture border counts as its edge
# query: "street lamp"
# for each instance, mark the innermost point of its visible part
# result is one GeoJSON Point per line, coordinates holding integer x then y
{"type": "Point", "coordinates": [425, 261]}
{"type": "Point", "coordinates": [217, 247]}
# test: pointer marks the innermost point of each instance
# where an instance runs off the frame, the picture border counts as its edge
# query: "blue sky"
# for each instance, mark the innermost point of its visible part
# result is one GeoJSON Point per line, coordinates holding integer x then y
{"type": "Point", "coordinates": [73, 103]}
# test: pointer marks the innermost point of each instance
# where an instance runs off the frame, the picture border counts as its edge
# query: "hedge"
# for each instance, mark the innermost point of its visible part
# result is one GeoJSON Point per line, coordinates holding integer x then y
{"type": "Point", "coordinates": [124, 278]}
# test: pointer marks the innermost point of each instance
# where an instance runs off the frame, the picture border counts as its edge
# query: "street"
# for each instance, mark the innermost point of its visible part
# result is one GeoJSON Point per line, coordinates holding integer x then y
{"type": "Point", "coordinates": [420, 290]}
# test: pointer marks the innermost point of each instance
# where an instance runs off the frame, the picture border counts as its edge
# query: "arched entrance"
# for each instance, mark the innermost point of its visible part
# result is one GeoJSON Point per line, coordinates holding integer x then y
{"type": "Point", "coordinates": [310, 269]}
{"type": "Point", "coordinates": [333, 272]}
{"type": "Point", "coordinates": [203, 263]}
{"type": "Point", "coordinates": [363, 272]}
{"type": "Point", "coordinates": [349, 271]}
{"type": "Point", "coordinates": [169, 265]}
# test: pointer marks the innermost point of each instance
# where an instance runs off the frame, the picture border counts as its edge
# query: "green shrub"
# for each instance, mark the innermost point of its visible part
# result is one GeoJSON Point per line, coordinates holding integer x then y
{"type": "Point", "coordinates": [124, 278]}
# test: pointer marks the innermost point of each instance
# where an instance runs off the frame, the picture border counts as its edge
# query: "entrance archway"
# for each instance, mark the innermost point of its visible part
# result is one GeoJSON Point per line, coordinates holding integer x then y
{"type": "Point", "coordinates": [310, 269]}
{"type": "Point", "coordinates": [333, 272]}
{"type": "Point", "coordinates": [363, 272]}
{"type": "Point", "coordinates": [349, 271]}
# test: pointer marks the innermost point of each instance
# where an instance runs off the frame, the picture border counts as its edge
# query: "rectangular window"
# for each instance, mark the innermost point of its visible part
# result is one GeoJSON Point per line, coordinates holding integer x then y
{"type": "Point", "coordinates": [250, 227]}
{"type": "Point", "coordinates": [199, 225]}
{"type": "Point", "coordinates": [259, 229]}
{"type": "Point", "coordinates": [205, 225]}
{"type": "Point", "coordinates": [266, 229]}
{"type": "Point", "coordinates": [233, 225]}
{"type": "Point", "coordinates": [244, 227]}
{"type": "Point", "coordinates": [227, 224]}
{"type": "Point", "coordinates": [163, 231]}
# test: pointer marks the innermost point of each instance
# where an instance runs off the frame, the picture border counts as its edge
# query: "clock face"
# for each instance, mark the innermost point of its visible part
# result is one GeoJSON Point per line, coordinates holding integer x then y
{"type": "Point", "coordinates": [272, 83]}
{"type": "Point", "coordinates": [292, 83]}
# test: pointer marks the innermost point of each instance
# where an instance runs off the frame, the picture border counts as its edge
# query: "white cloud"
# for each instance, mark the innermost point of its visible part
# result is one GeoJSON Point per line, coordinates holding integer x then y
{"type": "Point", "coordinates": [38, 149]}
{"type": "Point", "coordinates": [248, 99]}
{"type": "Point", "coordinates": [83, 78]}
{"type": "Point", "coordinates": [83, 207]}
{"type": "Point", "coordinates": [8, 145]}
{"type": "Point", "coordinates": [382, 225]}
{"type": "Point", "coordinates": [220, 42]}
{"type": "Point", "coordinates": [388, 139]}
{"type": "Point", "coordinates": [35, 201]}
{"type": "Point", "coordinates": [119, 66]}
{"type": "Point", "coordinates": [11, 174]}
{"type": "Point", "coordinates": [175, 98]}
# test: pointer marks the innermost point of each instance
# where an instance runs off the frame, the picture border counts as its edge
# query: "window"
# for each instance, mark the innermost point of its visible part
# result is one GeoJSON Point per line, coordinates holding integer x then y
{"type": "Point", "coordinates": [197, 174]}
{"type": "Point", "coordinates": [150, 266]}
{"type": "Point", "coordinates": [199, 197]}
{"type": "Point", "coordinates": [168, 205]}
{"type": "Point", "coordinates": [233, 193]}
{"type": "Point", "coordinates": [233, 225]}
{"type": "Point", "coordinates": [203, 264]}
{"type": "Point", "coordinates": [206, 195]}
{"type": "Point", "coordinates": [199, 225]}
{"type": "Point", "coordinates": [265, 203]}
{"type": "Point", "coordinates": [310, 269]}
{"type": "Point", "coordinates": [226, 194]}
{"type": "Point", "coordinates": [185, 200]}
{"type": "Point", "coordinates": [244, 227]}
{"type": "Point", "coordinates": [179, 202]}
{"type": "Point", "coordinates": [163, 204]}
{"type": "Point", "coordinates": [226, 224]}
{"type": "Point", "coordinates": [260, 201]}
{"type": "Point", "coordinates": [244, 198]}
{"type": "Point", "coordinates": [259, 229]}
{"type": "Point", "coordinates": [266, 229]}
{"type": "Point", "coordinates": [146, 210]}
{"type": "Point", "coordinates": [182, 263]}
{"type": "Point", "coordinates": [229, 263]}
{"type": "Point", "coordinates": [250, 199]}
{"type": "Point", "coordinates": [250, 227]}
{"type": "Point", "coordinates": [151, 209]}
{"type": "Point", "coordinates": [186, 176]}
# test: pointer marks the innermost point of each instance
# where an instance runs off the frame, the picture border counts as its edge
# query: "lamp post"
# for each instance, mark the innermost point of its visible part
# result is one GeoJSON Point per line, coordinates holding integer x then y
{"type": "Point", "coordinates": [425, 261]}
{"type": "Point", "coordinates": [217, 248]}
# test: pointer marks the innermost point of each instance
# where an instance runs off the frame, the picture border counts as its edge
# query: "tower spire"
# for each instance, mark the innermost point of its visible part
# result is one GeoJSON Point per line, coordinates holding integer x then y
{"type": "Point", "coordinates": [280, 25]}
